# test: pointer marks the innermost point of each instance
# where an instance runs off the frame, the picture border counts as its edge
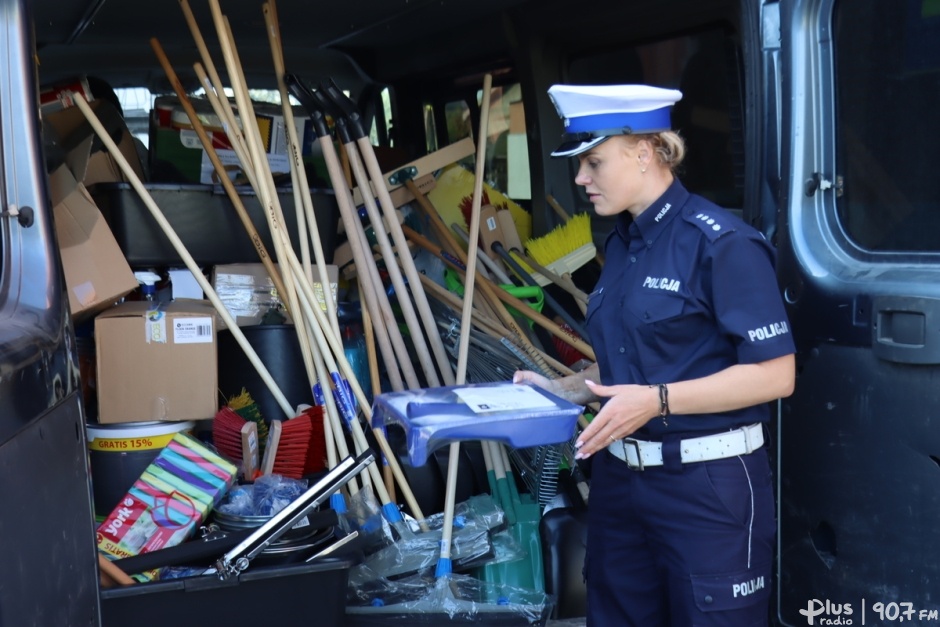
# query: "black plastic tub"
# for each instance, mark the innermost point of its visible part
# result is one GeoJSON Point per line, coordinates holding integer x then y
{"type": "Point", "coordinates": [278, 349]}
{"type": "Point", "coordinates": [205, 221]}
{"type": "Point", "coordinates": [286, 596]}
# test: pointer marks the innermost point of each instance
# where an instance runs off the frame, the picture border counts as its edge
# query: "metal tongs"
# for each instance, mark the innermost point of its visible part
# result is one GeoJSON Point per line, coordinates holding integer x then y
{"type": "Point", "coordinates": [238, 558]}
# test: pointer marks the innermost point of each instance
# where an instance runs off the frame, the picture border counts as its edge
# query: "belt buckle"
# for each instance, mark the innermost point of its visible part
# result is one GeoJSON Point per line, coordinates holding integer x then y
{"type": "Point", "coordinates": [748, 444]}
{"type": "Point", "coordinates": [639, 458]}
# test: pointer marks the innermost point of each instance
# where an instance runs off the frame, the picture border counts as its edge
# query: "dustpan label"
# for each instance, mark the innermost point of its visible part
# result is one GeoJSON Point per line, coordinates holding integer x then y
{"type": "Point", "coordinates": [502, 398]}
{"type": "Point", "coordinates": [193, 330]}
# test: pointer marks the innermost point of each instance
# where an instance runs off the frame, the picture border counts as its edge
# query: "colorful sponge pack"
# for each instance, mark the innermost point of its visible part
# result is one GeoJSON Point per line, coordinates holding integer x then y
{"type": "Point", "coordinates": [168, 502]}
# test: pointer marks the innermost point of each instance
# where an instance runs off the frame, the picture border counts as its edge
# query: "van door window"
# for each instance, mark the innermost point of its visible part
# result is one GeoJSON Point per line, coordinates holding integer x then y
{"type": "Point", "coordinates": [887, 60]}
{"type": "Point", "coordinates": [507, 155]}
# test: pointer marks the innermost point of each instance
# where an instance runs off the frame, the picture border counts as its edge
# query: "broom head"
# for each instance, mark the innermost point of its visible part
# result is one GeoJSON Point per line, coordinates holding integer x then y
{"type": "Point", "coordinates": [227, 433]}
{"type": "Point", "coordinates": [290, 440]}
{"type": "Point", "coordinates": [565, 248]}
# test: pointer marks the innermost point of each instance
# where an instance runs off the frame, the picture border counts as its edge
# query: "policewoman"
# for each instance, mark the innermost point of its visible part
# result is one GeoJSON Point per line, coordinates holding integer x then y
{"type": "Point", "coordinates": [692, 343]}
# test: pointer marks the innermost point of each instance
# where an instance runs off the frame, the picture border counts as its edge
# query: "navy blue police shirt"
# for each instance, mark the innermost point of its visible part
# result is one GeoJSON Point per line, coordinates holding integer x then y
{"type": "Point", "coordinates": [687, 290]}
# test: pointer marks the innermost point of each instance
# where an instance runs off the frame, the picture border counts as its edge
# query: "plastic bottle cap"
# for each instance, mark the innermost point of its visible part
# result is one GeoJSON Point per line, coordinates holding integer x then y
{"type": "Point", "coordinates": [145, 277]}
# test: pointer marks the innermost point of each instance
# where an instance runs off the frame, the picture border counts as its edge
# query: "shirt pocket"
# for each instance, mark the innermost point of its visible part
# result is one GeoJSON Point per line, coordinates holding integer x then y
{"type": "Point", "coordinates": [656, 311]}
{"type": "Point", "coordinates": [659, 324]}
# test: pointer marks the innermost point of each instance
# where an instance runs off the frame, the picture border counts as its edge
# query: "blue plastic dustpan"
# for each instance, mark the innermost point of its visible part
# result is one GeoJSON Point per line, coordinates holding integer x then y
{"type": "Point", "coordinates": [518, 415]}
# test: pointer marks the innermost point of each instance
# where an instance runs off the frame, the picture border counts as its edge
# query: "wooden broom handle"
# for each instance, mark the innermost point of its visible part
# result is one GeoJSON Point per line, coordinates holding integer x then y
{"type": "Point", "coordinates": [114, 571]}
{"type": "Point", "coordinates": [523, 308]}
{"type": "Point", "coordinates": [184, 254]}
{"type": "Point", "coordinates": [219, 167]}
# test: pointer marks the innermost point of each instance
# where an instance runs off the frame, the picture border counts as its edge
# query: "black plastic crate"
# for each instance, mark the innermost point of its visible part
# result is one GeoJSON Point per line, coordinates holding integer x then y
{"type": "Point", "coordinates": [206, 222]}
{"type": "Point", "coordinates": [285, 596]}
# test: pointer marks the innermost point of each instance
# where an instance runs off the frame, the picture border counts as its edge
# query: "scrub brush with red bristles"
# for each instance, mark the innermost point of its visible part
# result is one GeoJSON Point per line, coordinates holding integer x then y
{"type": "Point", "coordinates": [567, 354]}
{"type": "Point", "coordinates": [236, 439]}
{"type": "Point", "coordinates": [287, 446]}
{"type": "Point", "coordinates": [227, 433]}
{"type": "Point", "coordinates": [316, 452]}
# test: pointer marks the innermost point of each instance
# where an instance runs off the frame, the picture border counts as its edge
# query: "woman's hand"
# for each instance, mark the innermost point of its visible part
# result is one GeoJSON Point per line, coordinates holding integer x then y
{"type": "Point", "coordinates": [570, 388]}
{"type": "Point", "coordinates": [629, 408]}
{"type": "Point", "coordinates": [527, 376]}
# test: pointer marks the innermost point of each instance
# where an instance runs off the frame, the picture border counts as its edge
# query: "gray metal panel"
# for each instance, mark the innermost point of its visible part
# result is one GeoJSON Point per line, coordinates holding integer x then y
{"type": "Point", "coordinates": [858, 476]}
{"type": "Point", "coordinates": [859, 484]}
{"type": "Point", "coordinates": [47, 541]}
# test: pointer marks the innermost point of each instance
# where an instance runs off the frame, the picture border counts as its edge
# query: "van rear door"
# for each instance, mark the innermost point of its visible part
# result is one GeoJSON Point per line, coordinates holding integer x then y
{"type": "Point", "coordinates": [48, 572]}
{"type": "Point", "coordinates": [859, 259]}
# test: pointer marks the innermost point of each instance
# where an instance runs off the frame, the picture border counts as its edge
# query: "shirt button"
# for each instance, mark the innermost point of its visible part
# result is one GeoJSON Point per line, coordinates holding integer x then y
{"type": "Point", "coordinates": [708, 598]}
{"type": "Point", "coordinates": [622, 349]}
{"type": "Point", "coordinates": [649, 242]}
{"type": "Point", "coordinates": [632, 259]}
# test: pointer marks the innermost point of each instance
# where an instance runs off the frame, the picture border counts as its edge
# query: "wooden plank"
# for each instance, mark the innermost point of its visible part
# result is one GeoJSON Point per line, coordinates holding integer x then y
{"type": "Point", "coordinates": [427, 165]}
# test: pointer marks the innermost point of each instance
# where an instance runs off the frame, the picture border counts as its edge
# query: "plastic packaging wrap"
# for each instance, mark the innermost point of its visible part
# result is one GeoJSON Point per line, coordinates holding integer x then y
{"type": "Point", "coordinates": [454, 599]}
{"type": "Point", "coordinates": [481, 507]}
{"type": "Point", "coordinates": [418, 553]}
{"type": "Point", "coordinates": [272, 493]}
{"type": "Point", "coordinates": [265, 497]}
{"type": "Point", "coordinates": [364, 515]}
{"type": "Point", "coordinates": [416, 549]}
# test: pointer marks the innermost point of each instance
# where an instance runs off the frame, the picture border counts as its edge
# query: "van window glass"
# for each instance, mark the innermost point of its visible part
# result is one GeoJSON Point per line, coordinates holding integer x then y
{"type": "Point", "coordinates": [887, 62]}
{"type": "Point", "coordinates": [136, 103]}
{"type": "Point", "coordinates": [459, 126]}
{"type": "Point", "coordinates": [705, 66]}
{"type": "Point", "coordinates": [430, 129]}
{"type": "Point", "coordinates": [507, 157]}
{"type": "Point", "coordinates": [383, 126]}
{"type": "Point", "coordinates": [457, 115]}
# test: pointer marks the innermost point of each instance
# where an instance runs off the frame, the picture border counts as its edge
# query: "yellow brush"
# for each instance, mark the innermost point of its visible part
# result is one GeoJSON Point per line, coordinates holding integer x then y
{"type": "Point", "coordinates": [564, 249]}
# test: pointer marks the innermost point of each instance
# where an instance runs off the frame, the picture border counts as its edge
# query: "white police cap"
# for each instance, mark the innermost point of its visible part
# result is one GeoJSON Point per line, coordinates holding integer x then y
{"type": "Point", "coordinates": [593, 113]}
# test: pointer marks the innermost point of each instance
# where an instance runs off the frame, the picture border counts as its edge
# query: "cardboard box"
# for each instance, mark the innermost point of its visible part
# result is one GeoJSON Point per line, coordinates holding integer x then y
{"type": "Point", "coordinates": [53, 98]}
{"type": "Point", "coordinates": [177, 154]}
{"type": "Point", "coordinates": [71, 130]}
{"type": "Point", "coordinates": [169, 501]}
{"type": "Point", "coordinates": [96, 273]}
{"type": "Point", "coordinates": [157, 362]}
{"type": "Point", "coordinates": [248, 292]}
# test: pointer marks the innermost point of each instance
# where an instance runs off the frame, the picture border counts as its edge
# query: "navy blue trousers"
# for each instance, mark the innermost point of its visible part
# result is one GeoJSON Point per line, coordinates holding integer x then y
{"type": "Point", "coordinates": [680, 545]}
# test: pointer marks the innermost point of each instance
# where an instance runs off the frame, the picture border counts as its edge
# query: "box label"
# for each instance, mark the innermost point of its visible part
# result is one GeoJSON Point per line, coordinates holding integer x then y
{"type": "Point", "coordinates": [193, 330]}
{"type": "Point", "coordinates": [155, 326]}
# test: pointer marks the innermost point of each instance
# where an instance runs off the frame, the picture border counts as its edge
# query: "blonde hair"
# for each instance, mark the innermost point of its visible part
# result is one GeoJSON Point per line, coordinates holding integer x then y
{"type": "Point", "coordinates": [669, 145]}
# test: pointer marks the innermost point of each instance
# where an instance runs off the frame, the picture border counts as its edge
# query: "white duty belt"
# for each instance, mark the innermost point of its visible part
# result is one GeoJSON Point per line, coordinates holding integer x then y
{"type": "Point", "coordinates": [640, 454]}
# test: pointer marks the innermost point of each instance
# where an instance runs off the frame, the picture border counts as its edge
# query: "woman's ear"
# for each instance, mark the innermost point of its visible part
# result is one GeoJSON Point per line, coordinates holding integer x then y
{"type": "Point", "coordinates": [644, 151]}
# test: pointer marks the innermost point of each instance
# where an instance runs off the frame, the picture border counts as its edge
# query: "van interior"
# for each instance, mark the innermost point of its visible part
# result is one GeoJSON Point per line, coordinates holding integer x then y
{"type": "Point", "coordinates": [780, 99]}
{"type": "Point", "coordinates": [415, 72]}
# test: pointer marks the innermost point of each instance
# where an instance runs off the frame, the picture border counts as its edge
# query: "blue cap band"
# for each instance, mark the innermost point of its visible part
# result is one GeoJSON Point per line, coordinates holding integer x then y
{"type": "Point", "coordinates": [641, 122]}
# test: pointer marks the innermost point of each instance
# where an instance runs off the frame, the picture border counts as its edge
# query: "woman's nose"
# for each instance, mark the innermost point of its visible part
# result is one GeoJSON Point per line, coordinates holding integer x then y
{"type": "Point", "coordinates": [581, 178]}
